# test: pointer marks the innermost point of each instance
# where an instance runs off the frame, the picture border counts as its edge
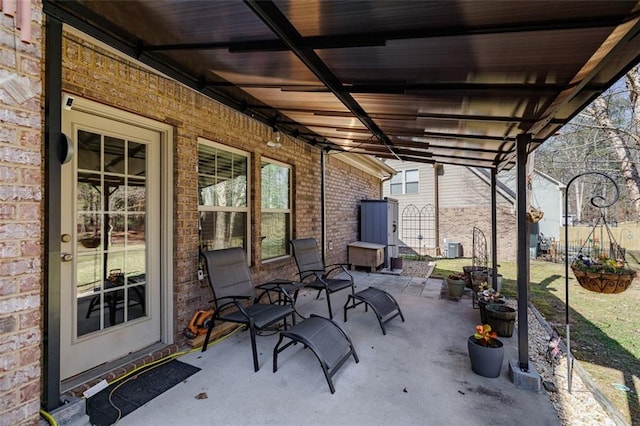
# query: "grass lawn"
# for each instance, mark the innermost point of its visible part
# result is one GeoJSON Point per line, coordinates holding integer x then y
{"type": "Point", "coordinates": [605, 328]}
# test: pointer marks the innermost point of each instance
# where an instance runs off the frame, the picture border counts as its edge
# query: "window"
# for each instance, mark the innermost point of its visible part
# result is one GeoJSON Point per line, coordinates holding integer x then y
{"type": "Point", "coordinates": [411, 181]}
{"type": "Point", "coordinates": [222, 197]}
{"type": "Point", "coordinates": [276, 209]}
{"type": "Point", "coordinates": [404, 182]}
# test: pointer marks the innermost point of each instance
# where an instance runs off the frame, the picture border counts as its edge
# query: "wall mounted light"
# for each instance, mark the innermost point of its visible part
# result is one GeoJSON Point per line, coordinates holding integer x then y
{"type": "Point", "coordinates": [275, 143]}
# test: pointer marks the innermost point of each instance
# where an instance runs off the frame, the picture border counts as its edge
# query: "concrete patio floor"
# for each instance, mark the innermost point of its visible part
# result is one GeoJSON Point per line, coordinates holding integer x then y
{"type": "Point", "coordinates": [418, 374]}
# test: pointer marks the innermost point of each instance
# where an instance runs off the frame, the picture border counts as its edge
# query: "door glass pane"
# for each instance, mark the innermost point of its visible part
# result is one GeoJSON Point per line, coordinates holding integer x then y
{"type": "Point", "coordinates": [111, 222]}
{"type": "Point", "coordinates": [113, 155]}
{"type": "Point", "coordinates": [136, 195]}
{"type": "Point", "coordinates": [116, 230]}
{"type": "Point", "coordinates": [137, 159]}
{"type": "Point", "coordinates": [89, 231]}
{"type": "Point", "coordinates": [115, 193]}
{"type": "Point", "coordinates": [136, 230]}
{"type": "Point", "coordinates": [89, 150]}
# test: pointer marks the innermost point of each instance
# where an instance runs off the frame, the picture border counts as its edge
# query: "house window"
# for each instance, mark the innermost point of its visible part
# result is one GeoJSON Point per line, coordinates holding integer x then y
{"type": "Point", "coordinates": [276, 209]}
{"type": "Point", "coordinates": [411, 181]}
{"type": "Point", "coordinates": [222, 196]}
{"type": "Point", "coordinates": [404, 182]}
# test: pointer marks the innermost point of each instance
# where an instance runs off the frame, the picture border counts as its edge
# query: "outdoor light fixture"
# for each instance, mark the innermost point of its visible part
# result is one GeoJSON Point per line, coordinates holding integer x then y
{"type": "Point", "coordinates": [275, 143]}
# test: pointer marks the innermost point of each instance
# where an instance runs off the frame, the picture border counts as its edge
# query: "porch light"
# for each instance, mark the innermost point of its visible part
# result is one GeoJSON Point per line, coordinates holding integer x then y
{"type": "Point", "coordinates": [275, 143]}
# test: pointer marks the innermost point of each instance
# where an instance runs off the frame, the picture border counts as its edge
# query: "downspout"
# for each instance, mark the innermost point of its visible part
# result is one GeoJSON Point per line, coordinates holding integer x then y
{"type": "Point", "coordinates": [494, 229]}
{"type": "Point", "coordinates": [522, 143]}
{"type": "Point", "coordinates": [52, 215]}
{"type": "Point", "coordinates": [436, 205]}
{"type": "Point", "coordinates": [323, 210]}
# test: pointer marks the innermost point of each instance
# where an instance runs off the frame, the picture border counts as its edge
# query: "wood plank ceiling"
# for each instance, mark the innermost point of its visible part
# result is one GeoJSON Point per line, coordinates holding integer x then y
{"type": "Point", "coordinates": [451, 81]}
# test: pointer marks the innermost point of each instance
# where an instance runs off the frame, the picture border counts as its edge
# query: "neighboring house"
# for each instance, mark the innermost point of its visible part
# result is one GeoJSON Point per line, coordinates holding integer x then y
{"type": "Point", "coordinates": [157, 171]}
{"type": "Point", "coordinates": [546, 195]}
{"type": "Point", "coordinates": [427, 225]}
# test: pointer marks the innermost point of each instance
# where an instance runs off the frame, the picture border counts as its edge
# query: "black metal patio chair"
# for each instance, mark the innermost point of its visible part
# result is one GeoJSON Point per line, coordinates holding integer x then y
{"type": "Point", "coordinates": [313, 272]}
{"type": "Point", "coordinates": [234, 295]}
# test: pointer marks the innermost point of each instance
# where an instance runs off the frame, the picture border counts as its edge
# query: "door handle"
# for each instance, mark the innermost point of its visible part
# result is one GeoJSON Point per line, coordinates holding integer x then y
{"type": "Point", "coordinates": [66, 257]}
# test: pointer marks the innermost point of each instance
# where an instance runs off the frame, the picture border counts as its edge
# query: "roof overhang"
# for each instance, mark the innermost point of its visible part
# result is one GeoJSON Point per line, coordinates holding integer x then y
{"type": "Point", "coordinates": [452, 82]}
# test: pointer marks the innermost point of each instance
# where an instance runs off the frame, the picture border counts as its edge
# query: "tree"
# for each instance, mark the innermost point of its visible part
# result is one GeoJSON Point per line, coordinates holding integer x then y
{"type": "Point", "coordinates": [605, 138]}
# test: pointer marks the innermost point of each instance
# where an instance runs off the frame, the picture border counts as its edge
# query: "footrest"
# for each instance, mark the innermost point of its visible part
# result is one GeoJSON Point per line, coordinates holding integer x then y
{"type": "Point", "coordinates": [382, 303]}
{"type": "Point", "coordinates": [331, 346]}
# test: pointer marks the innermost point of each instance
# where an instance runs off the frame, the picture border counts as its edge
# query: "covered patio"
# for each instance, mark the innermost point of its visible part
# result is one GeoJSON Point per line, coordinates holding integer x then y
{"type": "Point", "coordinates": [419, 373]}
{"type": "Point", "coordinates": [465, 83]}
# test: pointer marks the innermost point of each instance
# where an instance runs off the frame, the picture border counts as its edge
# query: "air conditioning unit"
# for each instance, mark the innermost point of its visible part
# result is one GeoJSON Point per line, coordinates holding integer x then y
{"type": "Point", "coordinates": [453, 250]}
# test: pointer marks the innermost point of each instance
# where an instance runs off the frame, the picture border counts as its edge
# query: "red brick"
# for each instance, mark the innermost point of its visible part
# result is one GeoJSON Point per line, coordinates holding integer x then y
{"type": "Point", "coordinates": [9, 175]}
{"type": "Point", "coordinates": [30, 391]}
{"type": "Point", "coordinates": [13, 267]}
{"type": "Point", "coordinates": [31, 176]}
{"type": "Point", "coordinates": [19, 377]}
{"type": "Point", "coordinates": [29, 283]}
{"type": "Point", "coordinates": [19, 231]}
{"type": "Point", "coordinates": [8, 361]}
{"type": "Point", "coordinates": [30, 248]}
{"type": "Point", "coordinates": [9, 343]}
{"type": "Point", "coordinates": [31, 139]}
{"type": "Point", "coordinates": [30, 319]}
{"type": "Point", "coordinates": [8, 211]}
{"type": "Point", "coordinates": [9, 249]}
{"type": "Point", "coordinates": [8, 400]}
{"type": "Point", "coordinates": [30, 211]}
{"type": "Point", "coordinates": [20, 303]}
{"type": "Point", "coordinates": [29, 355]}
{"type": "Point", "coordinates": [8, 324]}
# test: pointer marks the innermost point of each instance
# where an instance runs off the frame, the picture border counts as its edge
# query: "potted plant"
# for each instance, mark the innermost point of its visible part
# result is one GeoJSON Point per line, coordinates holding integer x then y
{"type": "Point", "coordinates": [501, 318]}
{"type": "Point", "coordinates": [456, 285]}
{"type": "Point", "coordinates": [485, 296]}
{"type": "Point", "coordinates": [602, 274]}
{"type": "Point", "coordinates": [486, 352]}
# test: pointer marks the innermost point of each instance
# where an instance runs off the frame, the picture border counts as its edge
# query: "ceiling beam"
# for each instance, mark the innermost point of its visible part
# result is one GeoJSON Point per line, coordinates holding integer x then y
{"type": "Point", "coordinates": [623, 33]}
{"type": "Point", "coordinates": [269, 13]}
{"type": "Point", "coordinates": [379, 38]}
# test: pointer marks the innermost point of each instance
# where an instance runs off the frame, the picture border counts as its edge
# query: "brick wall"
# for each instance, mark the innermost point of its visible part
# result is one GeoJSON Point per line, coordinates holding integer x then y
{"type": "Point", "coordinates": [457, 224]}
{"type": "Point", "coordinates": [21, 191]}
{"type": "Point", "coordinates": [348, 186]}
{"type": "Point", "coordinates": [95, 74]}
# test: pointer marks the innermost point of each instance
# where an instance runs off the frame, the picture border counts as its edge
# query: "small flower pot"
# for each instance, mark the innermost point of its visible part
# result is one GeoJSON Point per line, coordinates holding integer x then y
{"type": "Point", "coordinates": [485, 360]}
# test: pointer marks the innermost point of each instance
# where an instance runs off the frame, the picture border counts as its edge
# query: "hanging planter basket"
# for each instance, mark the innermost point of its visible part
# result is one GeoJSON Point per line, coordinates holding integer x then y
{"type": "Point", "coordinates": [534, 215]}
{"type": "Point", "coordinates": [604, 282]}
{"type": "Point", "coordinates": [92, 241]}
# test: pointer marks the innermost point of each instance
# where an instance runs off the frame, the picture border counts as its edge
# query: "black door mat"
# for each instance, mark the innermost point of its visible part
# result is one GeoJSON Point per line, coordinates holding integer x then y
{"type": "Point", "coordinates": [135, 391]}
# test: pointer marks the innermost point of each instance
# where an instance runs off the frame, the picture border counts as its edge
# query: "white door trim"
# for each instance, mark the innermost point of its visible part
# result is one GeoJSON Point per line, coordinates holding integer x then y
{"type": "Point", "coordinates": [166, 200]}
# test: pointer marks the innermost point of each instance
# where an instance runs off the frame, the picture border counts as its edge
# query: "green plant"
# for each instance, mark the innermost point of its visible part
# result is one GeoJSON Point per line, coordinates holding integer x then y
{"type": "Point", "coordinates": [489, 295]}
{"type": "Point", "coordinates": [456, 276]}
{"type": "Point", "coordinates": [484, 336]}
{"type": "Point", "coordinates": [601, 263]}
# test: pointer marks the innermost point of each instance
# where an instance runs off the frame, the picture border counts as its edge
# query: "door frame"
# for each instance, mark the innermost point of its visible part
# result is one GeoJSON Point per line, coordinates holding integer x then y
{"type": "Point", "coordinates": [166, 202]}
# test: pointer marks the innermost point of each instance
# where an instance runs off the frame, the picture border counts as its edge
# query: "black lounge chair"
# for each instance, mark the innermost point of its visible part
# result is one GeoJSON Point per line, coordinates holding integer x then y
{"type": "Point", "coordinates": [383, 304]}
{"type": "Point", "coordinates": [327, 341]}
{"type": "Point", "coordinates": [313, 272]}
{"type": "Point", "coordinates": [232, 287]}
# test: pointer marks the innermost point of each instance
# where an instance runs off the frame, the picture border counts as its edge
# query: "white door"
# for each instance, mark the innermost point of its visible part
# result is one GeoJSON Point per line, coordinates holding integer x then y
{"type": "Point", "coordinates": [110, 242]}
